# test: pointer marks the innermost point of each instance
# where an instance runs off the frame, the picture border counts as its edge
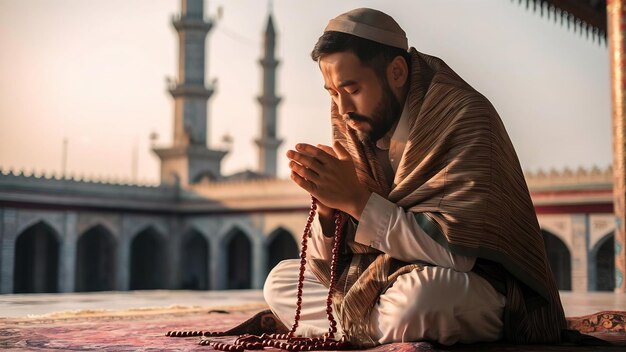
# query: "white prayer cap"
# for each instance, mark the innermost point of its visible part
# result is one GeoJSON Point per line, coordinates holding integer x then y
{"type": "Point", "coordinates": [370, 24]}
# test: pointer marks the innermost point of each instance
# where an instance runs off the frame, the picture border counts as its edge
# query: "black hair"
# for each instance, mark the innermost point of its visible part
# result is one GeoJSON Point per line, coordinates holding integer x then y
{"type": "Point", "coordinates": [372, 54]}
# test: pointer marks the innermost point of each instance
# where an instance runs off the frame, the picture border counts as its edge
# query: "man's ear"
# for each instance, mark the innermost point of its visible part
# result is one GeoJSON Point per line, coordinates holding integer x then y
{"type": "Point", "coordinates": [397, 72]}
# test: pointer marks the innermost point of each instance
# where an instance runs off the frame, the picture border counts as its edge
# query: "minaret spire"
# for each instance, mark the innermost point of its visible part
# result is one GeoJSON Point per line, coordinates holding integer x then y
{"type": "Point", "coordinates": [268, 142]}
{"type": "Point", "coordinates": [190, 93]}
{"type": "Point", "coordinates": [189, 159]}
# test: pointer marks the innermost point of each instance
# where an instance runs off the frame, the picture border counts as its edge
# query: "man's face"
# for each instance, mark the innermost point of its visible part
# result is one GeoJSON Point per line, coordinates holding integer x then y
{"type": "Point", "coordinates": [365, 100]}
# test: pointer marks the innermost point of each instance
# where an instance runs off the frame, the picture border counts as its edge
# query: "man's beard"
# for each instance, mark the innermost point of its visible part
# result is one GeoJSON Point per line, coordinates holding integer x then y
{"type": "Point", "coordinates": [385, 115]}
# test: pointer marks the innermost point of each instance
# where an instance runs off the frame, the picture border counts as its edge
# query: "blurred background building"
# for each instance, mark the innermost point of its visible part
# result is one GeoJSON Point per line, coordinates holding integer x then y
{"type": "Point", "coordinates": [201, 229]}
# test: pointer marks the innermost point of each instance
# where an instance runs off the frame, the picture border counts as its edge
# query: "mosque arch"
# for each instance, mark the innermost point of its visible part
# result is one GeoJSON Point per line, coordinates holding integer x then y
{"type": "Point", "coordinates": [280, 246]}
{"type": "Point", "coordinates": [89, 222]}
{"type": "Point", "coordinates": [238, 247]}
{"type": "Point", "coordinates": [560, 260]}
{"type": "Point", "coordinates": [603, 254]}
{"type": "Point", "coordinates": [50, 220]}
{"type": "Point", "coordinates": [95, 260]}
{"type": "Point", "coordinates": [137, 224]}
{"type": "Point", "coordinates": [148, 260]}
{"type": "Point", "coordinates": [195, 261]}
{"type": "Point", "coordinates": [36, 260]}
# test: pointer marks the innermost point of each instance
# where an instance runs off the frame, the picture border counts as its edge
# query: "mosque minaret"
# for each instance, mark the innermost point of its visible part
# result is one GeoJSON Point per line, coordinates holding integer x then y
{"type": "Point", "coordinates": [268, 142]}
{"type": "Point", "coordinates": [189, 160]}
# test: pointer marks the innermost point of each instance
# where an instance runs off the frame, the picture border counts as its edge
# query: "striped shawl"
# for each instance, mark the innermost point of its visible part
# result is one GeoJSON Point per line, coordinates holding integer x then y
{"type": "Point", "coordinates": [460, 176]}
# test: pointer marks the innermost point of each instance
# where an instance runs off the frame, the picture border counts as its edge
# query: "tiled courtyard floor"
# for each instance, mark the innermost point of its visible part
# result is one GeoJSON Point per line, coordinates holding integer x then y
{"type": "Point", "coordinates": [22, 305]}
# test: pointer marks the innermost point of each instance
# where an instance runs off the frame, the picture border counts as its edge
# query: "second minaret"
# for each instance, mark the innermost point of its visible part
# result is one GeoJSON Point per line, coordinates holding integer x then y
{"type": "Point", "coordinates": [268, 142]}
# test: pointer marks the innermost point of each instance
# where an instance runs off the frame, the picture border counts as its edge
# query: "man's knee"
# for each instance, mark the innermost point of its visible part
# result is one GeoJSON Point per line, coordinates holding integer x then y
{"type": "Point", "coordinates": [276, 278]}
{"type": "Point", "coordinates": [416, 294]}
{"type": "Point", "coordinates": [438, 304]}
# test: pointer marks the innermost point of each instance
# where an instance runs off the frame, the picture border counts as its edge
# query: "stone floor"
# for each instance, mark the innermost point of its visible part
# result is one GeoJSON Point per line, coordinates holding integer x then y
{"type": "Point", "coordinates": [23, 305]}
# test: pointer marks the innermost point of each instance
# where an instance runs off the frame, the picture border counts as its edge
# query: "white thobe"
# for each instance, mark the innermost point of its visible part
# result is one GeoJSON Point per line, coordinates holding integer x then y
{"type": "Point", "coordinates": [445, 302]}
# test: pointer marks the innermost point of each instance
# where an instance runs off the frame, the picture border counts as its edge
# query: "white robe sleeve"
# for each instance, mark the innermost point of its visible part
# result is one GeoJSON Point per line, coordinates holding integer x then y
{"type": "Point", "coordinates": [319, 246]}
{"type": "Point", "coordinates": [388, 228]}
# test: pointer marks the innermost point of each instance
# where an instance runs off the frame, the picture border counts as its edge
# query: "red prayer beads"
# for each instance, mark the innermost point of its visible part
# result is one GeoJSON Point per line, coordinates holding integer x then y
{"type": "Point", "coordinates": [282, 341]}
{"type": "Point", "coordinates": [289, 341]}
{"type": "Point", "coordinates": [333, 268]}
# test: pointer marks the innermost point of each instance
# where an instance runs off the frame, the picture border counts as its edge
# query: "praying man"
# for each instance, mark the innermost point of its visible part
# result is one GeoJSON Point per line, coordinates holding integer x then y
{"type": "Point", "coordinates": [441, 241]}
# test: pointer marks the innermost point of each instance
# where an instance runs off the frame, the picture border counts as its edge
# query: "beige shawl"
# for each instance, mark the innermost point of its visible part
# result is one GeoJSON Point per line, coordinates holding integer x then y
{"type": "Point", "coordinates": [461, 178]}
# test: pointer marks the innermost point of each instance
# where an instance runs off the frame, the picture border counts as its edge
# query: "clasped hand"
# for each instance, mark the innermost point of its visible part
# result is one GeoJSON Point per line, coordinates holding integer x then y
{"type": "Point", "coordinates": [328, 174]}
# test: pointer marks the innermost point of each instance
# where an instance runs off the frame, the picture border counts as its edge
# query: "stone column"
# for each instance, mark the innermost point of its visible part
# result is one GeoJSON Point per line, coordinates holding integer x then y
{"type": "Point", "coordinates": [580, 252]}
{"type": "Point", "coordinates": [616, 23]}
{"type": "Point", "coordinates": [122, 267]}
{"type": "Point", "coordinates": [209, 263]}
{"type": "Point", "coordinates": [219, 257]}
{"type": "Point", "coordinates": [67, 253]}
{"type": "Point", "coordinates": [173, 242]}
{"type": "Point", "coordinates": [7, 249]}
{"type": "Point", "coordinates": [592, 281]}
{"type": "Point", "coordinates": [259, 262]}
{"type": "Point", "coordinates": [122, 274]}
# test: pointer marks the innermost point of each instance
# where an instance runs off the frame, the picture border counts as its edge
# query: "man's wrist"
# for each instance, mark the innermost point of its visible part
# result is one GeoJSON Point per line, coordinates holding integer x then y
{"type": "Point", "coordinates": [325, 211]}
{"type": "Point", "coordinates": [327, 223]}
{"type": "Point", "coordinates": [359, 203]}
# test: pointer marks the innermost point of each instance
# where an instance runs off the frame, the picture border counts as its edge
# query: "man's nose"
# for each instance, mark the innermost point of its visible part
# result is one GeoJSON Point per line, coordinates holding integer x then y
{"type": "Point", "coordinates": [345, 105]}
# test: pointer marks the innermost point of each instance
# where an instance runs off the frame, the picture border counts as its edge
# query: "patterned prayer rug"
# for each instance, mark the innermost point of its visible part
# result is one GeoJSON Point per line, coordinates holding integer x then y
{"type": "Point", "coordinates": [144, 330]}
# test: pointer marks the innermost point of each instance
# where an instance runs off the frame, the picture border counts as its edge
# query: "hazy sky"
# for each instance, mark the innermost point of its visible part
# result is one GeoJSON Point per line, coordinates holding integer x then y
{"type": "Point", "coordinates": [93, 71]}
